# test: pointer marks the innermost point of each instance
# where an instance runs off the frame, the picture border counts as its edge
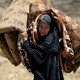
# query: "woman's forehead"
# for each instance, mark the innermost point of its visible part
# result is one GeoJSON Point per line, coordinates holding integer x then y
{"type": "Point", "coordinates": [44, 24]}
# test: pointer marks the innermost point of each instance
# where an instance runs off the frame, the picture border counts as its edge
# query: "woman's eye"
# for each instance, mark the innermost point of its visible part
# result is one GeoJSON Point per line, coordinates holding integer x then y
{"type": "Point", "coordinates": [40, 26]}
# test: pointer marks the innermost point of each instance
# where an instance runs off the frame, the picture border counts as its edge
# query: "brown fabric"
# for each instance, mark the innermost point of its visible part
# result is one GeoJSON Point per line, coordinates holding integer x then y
{"type": "Point", "coordinates": [74, 31]}
{"type": "Point", "coordinates": [66, 63]}
{"type": "Point", "coordinates": [11, 39]}
{"type": "Point", "coordinates": [65, 31]}
{"type": "Point", "coordinates": [5, 49]}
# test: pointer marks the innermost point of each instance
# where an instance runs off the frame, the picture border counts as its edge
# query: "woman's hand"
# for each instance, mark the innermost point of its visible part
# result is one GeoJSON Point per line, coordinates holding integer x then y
{"type": "Point", "coordinates": [23, 35]}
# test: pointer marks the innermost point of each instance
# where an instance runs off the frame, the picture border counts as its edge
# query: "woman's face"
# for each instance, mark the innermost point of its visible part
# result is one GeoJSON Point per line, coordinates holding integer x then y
{"type": "Point", "coordinates": [44, 29]}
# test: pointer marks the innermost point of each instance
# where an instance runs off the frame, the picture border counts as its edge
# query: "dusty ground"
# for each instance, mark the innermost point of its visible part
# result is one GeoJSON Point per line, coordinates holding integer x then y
{"type": "Point", "coordinates": [10, 72]}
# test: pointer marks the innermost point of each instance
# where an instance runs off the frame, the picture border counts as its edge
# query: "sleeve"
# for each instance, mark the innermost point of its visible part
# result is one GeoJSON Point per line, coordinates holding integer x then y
{"type": "Point", "coordinates": [33, 54]}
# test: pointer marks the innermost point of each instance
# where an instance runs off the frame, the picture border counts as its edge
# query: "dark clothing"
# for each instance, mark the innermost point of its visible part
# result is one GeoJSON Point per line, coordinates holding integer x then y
{"type": "Point", "coordinates": [44, 58]}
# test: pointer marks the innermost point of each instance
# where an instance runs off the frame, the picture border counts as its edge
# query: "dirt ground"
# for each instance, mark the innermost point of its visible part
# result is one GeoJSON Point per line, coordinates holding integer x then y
{"type": "Point", "coordinates": [10, 72]}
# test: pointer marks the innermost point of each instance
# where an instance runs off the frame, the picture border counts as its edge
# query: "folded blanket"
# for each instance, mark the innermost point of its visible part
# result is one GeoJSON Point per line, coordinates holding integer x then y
{"type": "Point", "coordinates": [14, 20]}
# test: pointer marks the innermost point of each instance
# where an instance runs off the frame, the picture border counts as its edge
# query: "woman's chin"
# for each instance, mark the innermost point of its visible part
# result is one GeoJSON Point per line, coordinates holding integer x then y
{"type": "Point", "coordinates": [43, 35]}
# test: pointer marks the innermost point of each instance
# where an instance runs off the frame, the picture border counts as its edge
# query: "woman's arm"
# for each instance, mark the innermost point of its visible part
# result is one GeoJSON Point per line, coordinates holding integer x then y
{"type": "Point", "coordinates": [33, 54]}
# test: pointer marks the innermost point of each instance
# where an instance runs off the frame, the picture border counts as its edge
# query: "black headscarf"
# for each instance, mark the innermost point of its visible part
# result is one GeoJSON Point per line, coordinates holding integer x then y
{"type": "Point", "coordinates": [48, 19]}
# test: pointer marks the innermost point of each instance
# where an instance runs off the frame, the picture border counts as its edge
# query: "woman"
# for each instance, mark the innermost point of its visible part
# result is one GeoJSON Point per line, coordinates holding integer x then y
{"type": "Point", "coordinates": [44, 58]}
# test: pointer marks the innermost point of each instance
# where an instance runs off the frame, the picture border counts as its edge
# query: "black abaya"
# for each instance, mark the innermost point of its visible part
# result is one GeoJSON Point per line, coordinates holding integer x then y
{"type": "Point", "coordinates": [44, 58]}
